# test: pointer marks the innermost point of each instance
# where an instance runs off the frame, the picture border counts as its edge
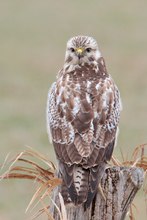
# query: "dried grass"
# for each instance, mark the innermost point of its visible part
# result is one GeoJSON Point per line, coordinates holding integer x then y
{"type": "Point", "coordinates": [27, 165]}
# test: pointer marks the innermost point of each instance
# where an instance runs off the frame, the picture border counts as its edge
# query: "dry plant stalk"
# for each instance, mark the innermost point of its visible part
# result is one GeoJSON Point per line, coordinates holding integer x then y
{"type": "Point", "coordinates": [24, 166]}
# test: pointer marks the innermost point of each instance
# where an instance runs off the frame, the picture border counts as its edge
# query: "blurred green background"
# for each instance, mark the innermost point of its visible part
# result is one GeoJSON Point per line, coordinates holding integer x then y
{"type": "Point", "coordinates": [33, 37]}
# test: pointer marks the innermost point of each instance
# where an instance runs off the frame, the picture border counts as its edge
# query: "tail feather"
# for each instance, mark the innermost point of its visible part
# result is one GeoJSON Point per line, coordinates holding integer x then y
{"type": "Point", "coordinates": [75, 179]}
{"type": "Point", "coordinates": [80, 185]}
{"type": "Point", "coordinates": [95, 177]}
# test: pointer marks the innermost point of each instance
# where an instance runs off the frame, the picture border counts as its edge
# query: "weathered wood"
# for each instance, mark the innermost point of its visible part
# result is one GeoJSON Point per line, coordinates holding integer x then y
{"type": "Point", "coordinates": [119, 184]}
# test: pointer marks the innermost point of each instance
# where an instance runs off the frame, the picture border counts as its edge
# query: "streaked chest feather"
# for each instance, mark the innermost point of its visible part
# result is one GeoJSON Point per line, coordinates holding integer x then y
{"type": "Point", "coordinates": [83, 84]}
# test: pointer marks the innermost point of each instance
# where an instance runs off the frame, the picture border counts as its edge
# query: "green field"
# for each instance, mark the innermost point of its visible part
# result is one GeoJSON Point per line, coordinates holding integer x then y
{"type": "Point", "coordinates": [33, 37]}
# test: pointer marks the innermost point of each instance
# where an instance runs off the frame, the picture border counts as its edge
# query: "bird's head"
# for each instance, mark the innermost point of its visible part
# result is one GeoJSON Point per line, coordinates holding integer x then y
{"type": "Point", "coordinates": [81, 49]}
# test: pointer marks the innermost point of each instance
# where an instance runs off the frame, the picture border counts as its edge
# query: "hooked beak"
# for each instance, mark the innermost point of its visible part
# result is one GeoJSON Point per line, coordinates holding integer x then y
{"type": "Point", "coordinates": [79, 52]}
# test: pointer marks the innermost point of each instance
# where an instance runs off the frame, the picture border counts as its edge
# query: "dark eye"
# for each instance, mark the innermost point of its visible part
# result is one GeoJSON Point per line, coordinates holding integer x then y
{"type": "Point", "coordinates": [88, 50]}
{"type": "Point", "coordinates": [72, 49]}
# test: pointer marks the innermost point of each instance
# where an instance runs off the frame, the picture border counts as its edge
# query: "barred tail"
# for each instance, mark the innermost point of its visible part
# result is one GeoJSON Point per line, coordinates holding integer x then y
{"type": "Point", "coordinates": [80, 185]}
{"type": "Point", "coordinates": [96, 174]}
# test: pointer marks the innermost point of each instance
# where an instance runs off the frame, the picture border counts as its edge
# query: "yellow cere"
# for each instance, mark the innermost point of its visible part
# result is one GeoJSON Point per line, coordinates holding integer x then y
{"type": "Point", "coordinates": [80, 50]}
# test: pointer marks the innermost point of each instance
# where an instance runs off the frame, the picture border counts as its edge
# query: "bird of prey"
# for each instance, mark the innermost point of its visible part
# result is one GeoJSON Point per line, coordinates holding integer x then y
{"type": "Point", "coordinates": [83, 111]}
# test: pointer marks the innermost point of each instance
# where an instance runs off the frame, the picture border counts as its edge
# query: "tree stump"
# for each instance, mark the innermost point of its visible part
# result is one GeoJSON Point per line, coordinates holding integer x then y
{"type": "Point", "coordinates": [119, 185]}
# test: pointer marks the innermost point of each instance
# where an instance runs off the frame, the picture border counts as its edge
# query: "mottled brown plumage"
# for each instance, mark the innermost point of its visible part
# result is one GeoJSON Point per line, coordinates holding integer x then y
{"type": "Point", "coordinates": [83, 111]}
